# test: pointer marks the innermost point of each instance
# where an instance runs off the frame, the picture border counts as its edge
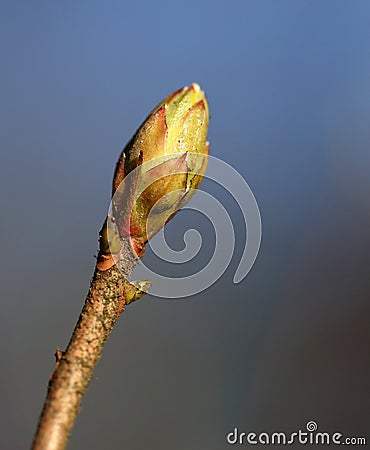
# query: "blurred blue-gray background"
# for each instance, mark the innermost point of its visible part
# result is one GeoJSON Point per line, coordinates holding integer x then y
{"type": "Point", "coordinates": [288, 84]}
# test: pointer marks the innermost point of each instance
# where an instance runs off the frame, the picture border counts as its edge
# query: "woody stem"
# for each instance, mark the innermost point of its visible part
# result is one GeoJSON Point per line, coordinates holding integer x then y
{"type": "Point", "coordinates": [73, 372]}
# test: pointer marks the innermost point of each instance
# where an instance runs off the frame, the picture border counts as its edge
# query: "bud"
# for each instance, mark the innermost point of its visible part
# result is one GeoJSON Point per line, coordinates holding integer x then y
{"type": "Point", "coordinates": [160, 167]}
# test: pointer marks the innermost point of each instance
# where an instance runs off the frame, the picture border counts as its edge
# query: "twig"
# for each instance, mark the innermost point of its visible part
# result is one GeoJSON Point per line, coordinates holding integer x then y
{"type": "Point", "coordinates": [74, 368]}
{"type": "Point", "coordinates": [178, 126]}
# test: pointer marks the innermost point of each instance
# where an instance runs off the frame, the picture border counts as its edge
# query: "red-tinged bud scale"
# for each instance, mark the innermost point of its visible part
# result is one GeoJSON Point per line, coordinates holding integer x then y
{"type": "Point", "coordinates": [157, 172]}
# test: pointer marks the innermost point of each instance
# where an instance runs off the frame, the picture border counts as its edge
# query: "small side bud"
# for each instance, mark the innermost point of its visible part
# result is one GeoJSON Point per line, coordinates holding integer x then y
{"type": "Point", "coordinates": [135, 290]}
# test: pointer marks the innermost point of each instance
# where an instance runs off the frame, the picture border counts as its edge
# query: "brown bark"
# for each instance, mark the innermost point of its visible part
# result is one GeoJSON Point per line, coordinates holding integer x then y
{"type": "Point", "coordinates": [74, 368]}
